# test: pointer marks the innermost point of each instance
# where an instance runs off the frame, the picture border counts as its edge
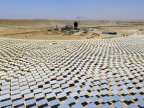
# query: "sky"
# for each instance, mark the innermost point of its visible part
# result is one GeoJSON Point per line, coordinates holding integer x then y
{"type": "Point", "coordinates": [70, 9]}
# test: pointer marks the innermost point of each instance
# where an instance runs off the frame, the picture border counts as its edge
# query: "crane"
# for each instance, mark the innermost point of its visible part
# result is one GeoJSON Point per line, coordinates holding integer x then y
{"type": "Point", "coordinates": [79, 18]}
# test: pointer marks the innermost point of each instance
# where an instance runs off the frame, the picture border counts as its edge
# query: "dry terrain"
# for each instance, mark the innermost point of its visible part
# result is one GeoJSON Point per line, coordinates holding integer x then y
{"type": "Point", "coordinates": [38, 29]}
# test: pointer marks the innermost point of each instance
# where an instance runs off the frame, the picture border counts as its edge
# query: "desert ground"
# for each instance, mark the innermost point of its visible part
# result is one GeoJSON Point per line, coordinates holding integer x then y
{"type": "Point", "coordinates": [44, 68]}
{"type": "Point", "coordinates": [38, 29]}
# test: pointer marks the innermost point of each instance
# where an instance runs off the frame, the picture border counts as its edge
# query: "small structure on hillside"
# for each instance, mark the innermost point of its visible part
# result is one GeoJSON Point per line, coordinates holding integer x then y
{"type": "Point", "coordinates": [67, 28]}
{"type": "Point", "coordinates": [110, 33]}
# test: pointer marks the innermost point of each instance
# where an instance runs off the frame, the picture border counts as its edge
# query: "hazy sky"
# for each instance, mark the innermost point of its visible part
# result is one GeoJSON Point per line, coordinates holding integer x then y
{"type": "Point", "coordinates": [70, 9]}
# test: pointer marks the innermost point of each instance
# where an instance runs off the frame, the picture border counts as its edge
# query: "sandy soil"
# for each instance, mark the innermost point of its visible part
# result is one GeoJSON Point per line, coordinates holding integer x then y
{"type": "Point", "coordinates": [37, 29]}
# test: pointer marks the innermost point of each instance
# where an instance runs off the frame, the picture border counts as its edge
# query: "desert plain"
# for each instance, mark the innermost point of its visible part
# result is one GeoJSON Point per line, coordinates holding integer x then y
{"type": "Point", "coordinates": [38, 29]}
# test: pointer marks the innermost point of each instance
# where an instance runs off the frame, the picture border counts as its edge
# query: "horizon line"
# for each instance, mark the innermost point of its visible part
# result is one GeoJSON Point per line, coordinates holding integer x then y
{"type": "Point", "coordinates": [71, 19]}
